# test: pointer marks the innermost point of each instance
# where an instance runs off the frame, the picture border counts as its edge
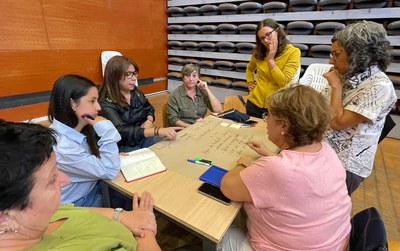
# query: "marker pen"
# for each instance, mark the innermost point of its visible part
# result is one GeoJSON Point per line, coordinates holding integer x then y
{"type": "Point", "coordinates": [197, 162]}
{"type": "Point", "coordinates": [88, 116]}
{"type": "Point", "coordinates": [208, 162]}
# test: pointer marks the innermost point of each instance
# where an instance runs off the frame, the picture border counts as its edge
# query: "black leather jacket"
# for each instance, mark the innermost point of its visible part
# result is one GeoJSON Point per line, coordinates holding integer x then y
{"type": "Point", "coordinates": [128, 119]}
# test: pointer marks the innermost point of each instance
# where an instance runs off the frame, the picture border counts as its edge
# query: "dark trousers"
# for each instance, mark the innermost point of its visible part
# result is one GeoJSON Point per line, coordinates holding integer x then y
{"type": "Point", "coordinates": [254, 110]}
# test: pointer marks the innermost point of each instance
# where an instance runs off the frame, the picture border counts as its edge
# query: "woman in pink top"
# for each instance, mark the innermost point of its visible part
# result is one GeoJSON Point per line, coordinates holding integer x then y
{"type": "Point", "coordinates": [296, 199]}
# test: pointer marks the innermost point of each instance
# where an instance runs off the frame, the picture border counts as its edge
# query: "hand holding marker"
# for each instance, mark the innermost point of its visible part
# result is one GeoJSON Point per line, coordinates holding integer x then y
{"type": "Point", "coordinates": [87, 116]}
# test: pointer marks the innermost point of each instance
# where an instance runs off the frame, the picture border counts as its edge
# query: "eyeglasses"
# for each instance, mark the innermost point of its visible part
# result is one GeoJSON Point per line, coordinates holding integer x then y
{"type": "Point", "coordinates": [268, 34]}
{"type": "Point", "coordinates": [265, 116]}
{"type": "Point", "coordinates": [130, 74]}
{"type": "Point", "coordinates": [335, 54]}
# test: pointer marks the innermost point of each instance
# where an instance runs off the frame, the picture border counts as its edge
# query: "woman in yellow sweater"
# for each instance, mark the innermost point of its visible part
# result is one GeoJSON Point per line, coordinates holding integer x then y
{"type": "Point", "coordinates": [272, 66]}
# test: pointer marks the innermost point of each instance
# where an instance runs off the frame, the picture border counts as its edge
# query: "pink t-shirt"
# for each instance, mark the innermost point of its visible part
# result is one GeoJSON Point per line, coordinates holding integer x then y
{"type": "Point", "coordinates": [300, 201]}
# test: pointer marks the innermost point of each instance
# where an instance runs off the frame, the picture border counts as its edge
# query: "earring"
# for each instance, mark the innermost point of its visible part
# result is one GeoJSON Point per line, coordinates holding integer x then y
{"type": "Point", "coordinates": [282, 133]}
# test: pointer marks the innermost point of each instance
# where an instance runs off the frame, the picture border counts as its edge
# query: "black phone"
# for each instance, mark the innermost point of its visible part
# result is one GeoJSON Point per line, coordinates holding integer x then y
{"type": "Point", "coordinates": [213, 192]}
{"type": "Point", "coordinates": [221, 114]}
{"type": "Point", "coordinates": [249, 122]}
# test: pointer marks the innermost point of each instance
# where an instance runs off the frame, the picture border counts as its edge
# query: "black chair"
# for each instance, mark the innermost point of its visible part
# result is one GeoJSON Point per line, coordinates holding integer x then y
{"type": "Point", "coordinates": [387, 127]}
{"type": "Point", "coordinates": [368, 231]}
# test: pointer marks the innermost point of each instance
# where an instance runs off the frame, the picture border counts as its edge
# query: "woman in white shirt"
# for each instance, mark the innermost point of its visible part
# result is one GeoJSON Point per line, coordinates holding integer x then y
{"type": "Point", "coordinates": [87, 148]}
{"type": "Point", "coordinates": [362, 96]}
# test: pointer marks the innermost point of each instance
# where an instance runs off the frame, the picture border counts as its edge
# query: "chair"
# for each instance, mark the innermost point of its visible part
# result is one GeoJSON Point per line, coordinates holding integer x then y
{"type": "Point", "coordinates": [320, 51]}
{"type": "Point", "coordinates": [164, 115]}
{"type": "Point", "coordinates": [295, 78]}
{"type": "Point", "coordinates": [368, 231]}
{"type": "Point", "coordinates": [275, 7]}
{"type": "Point", "coordinates": [105, 56]}
{"type": "Point", "coordinates": [313, 77]}
{"type": "Point", "coordinates": [387, 127]}
{"type": "Point", "coordinates": [235, 102]}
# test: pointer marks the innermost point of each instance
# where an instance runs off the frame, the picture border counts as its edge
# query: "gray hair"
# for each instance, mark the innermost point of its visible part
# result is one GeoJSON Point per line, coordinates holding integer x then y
{"type": "Point", "coordinates": [187, 69]}
{"type": "Point", "coordinates": [366, 44]}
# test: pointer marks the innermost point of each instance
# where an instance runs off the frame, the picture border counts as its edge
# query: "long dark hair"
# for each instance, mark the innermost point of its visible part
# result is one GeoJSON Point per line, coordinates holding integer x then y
{"type": "Point", "coordinates": [115, 70]}
{"type": "Point", "coordinates": [67, 88]}
{"type": "Point", "coordinates": [261, 51]}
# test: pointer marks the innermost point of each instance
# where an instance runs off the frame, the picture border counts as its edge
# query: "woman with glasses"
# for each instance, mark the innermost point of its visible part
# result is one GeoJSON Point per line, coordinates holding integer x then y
{"type": "Point", "coordinates": [83, 156]}
{"type": "Point", "coordinates": [272, 66]}
{"type": "Point", "coordinates": [189, 102]}
{"type": "Point", "coordinates": [125, 105]}
{"type": "Point", "coordinates": [295, 199]}
{"type": "Point", "coordinates": [362, 96]}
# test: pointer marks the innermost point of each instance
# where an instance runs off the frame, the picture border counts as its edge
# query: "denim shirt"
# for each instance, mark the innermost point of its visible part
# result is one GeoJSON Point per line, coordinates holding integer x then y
{"type": "Point", "coordinates": [83, 168]}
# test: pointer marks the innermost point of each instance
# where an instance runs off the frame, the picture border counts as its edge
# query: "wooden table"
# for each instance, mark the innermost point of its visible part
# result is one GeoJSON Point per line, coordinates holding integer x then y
{"type": "Point", "coordinates": [175, 191]}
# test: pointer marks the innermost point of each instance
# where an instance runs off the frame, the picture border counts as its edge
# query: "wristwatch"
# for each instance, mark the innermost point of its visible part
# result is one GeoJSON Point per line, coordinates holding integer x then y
{"type": "Point", "coordinates": [117, 211]}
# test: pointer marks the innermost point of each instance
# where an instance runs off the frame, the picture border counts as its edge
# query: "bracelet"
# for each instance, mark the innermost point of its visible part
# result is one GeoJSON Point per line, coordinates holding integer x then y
{"type": "Point", "coordinates": [117, 211]}
{"type": "Point", "coordinates": [157, 131]}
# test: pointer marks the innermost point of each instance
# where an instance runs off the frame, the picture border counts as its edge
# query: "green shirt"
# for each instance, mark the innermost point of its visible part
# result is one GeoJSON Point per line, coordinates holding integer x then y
{"type": "Point", "coordinates": [182, 107]}
{"type": "Point", "coordinates": [84, 229]}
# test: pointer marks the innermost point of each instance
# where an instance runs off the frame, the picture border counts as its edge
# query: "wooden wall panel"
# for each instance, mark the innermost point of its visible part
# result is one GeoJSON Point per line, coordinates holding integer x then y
{"type": "Point", "coordinates": [22, 26]}
{"type": "Point", "coordinates": [34, 71]}
{"type": "Point", "coordinates": [24, 112]}
{"type": "Point", "coordinates": [99, 24]}
{"type": "Point", "coordinates": [45, 39]}
{"type": "Point", "coordinates": [27, 112]}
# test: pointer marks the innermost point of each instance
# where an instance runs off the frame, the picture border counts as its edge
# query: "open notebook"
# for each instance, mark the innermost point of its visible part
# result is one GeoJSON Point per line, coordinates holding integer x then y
{"type": "Point", "coordinates": [140, 164]}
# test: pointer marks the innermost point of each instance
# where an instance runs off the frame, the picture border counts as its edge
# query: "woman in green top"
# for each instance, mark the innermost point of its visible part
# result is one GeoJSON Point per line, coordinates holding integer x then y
{"type": "Point", "coordinates": [30, 217]}
{"type": "Point", "coordinates": [272, 66]}
{"type": "Point", "coordinates": [188, 103]}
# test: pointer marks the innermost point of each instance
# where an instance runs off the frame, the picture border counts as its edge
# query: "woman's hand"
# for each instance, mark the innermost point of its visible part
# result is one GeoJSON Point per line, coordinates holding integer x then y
{"type": "Point", "coordinates": [244, 160]}
{"type": "Point", "coordinates": [333, 78]}
{"type": "Point", "coordinates": [260, 148]}
{"type": "Point", "coordinates": [94, 120]}
{"type": "Point", "coordinates": [252, 85]}
{"type": "Point", "coordinates": [273, 48]}
{"type": "Point", "coordinates": [141, 217]}
{"type": "Point", "coordinates": [202, 85]}
{"type": "Point", "coordinates": [169, 132]}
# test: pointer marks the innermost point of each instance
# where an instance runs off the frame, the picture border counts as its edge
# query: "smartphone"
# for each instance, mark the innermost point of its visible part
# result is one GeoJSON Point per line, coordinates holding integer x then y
{"type": "Point", "coordinates": [214, 193]}
{"type": "Point", "coordinates": [249, 122]}
{"type": "Point", "coordinates": [221, 114]}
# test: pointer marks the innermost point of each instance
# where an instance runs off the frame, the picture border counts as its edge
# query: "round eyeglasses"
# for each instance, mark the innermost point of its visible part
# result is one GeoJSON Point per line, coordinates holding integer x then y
{"type": "Point", "coordinates": [335, 54]}
{"type": "Point", "coordinates": [130, 74]}
{"type": "Point", "coordinates": [267, 35]}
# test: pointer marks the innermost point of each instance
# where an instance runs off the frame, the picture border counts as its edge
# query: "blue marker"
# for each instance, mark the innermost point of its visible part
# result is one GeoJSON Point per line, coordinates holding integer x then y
{"type": "Point", "coordinates": [89, 117]}
{"type": "Point", "coordinates": [197, 162]}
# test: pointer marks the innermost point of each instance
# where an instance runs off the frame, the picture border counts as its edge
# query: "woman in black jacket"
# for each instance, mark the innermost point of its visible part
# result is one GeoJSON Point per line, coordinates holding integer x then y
{"type": "Point", "coordinates": [127, 107]}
